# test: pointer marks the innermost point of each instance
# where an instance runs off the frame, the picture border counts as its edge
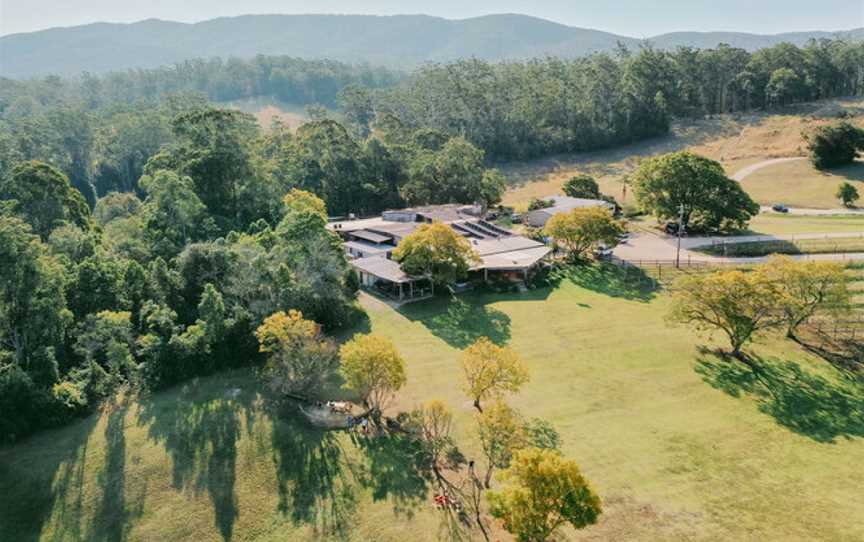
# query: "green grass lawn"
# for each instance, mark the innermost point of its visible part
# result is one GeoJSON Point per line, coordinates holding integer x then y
{"type": "Point", "coordinates": [799, 184]}
{"type": "Point", "coordinates": [679, 444]}
{"type": "Point", "coordinates": [798, 246]}
{"type": "Point", "coordinates": [790, 224]}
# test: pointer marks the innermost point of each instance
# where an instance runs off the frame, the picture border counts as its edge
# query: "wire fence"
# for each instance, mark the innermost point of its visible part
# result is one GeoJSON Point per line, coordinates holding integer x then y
{"type": "Point", "coordinates": [662, 274]}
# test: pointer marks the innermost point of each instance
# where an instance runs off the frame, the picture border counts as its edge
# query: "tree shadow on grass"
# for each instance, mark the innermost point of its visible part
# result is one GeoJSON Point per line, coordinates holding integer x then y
{"type": "Point", "coordinates": [398, 469]}
{"type": "Point", "coordinates": [199, 430]}
{"type": "Point", "coordinates": [459, 321]}
{"type": "Point", "coordinates": [313, 484]}
{"type": "Point", "coordinates": [44, 476]}
{"type": "Point", "coordinates": [115, 512]}
{"type": "Point", "coordinates": [628, 283]}
{"type": "Point", "coordinates": [807, 403]}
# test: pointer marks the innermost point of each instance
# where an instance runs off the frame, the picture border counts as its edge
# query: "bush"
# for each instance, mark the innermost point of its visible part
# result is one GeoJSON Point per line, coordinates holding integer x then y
{"type": "Point", "coordinates": [847, 194]}
{"type": "Point", "coordinates": [537, 203]}
{"type": "Point", "coordinates": [582, 186]}
{"type": "Point", "coordinates": [834, 145]}
{"type": "Point", "coordinates": [26, 408]}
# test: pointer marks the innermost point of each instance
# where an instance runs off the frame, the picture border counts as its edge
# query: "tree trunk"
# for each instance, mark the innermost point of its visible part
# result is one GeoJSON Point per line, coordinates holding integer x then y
{"type": "Point", "coordinates": [477, 406]}
{"type": "Point", "coordinates": [487, 483]}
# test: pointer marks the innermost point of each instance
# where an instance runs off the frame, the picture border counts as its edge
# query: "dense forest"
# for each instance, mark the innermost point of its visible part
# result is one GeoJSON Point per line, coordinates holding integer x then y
{"type": "Point", "coordinates": [145, 233]}
{"type": "Point", "coordinates": [527, 109]}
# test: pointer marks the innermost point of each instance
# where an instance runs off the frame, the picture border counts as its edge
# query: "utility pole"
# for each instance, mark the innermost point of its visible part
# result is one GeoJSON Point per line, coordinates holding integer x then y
{"type": "Point", "coordinates": [680, 232]}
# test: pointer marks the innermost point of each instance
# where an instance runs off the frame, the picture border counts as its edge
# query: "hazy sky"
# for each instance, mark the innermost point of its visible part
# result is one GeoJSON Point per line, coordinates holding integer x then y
{"type": "Point", "coordinates": [629, 17]}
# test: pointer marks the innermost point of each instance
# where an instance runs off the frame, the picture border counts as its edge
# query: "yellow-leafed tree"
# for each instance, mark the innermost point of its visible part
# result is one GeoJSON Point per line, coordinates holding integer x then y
{"type": "Point", "coordinates": [373, 368]}
{"type": "Point", "coordinates": [299, 357]}
{"type": "Point", "coordinates": [491, 370]}
{"type": "Point", "coordinates": [543, 491]}
{"type": "Point", "coordinates": [437, 251]}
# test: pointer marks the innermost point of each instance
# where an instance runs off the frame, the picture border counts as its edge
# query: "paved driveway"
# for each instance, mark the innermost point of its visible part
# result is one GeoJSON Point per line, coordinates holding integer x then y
{"type": "Point", "coordinates": [650, 246]}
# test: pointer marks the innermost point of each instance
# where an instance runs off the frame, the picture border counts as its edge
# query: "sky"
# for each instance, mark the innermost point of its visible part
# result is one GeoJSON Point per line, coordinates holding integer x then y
{"type": "Point", "coordinates": [635, 18]}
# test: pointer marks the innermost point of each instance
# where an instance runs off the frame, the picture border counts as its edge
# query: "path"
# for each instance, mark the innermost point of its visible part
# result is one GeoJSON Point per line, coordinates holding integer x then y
{"type": "Point", "coordinates": [749, 170]}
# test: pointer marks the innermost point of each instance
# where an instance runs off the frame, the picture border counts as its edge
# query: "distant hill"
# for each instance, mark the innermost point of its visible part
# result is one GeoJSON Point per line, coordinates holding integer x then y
{"type": "Point", "coordinates": [396, 41]}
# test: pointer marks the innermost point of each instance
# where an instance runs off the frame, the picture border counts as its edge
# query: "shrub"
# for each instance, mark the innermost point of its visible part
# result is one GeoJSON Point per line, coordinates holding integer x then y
{"type": "Point", "coordinates": [582, 186]}
{"type": "Point", "coordinates": [537, 203]}
{"type": "Point", "coordinates": [847, 194]}
{"type": "Point", "coordinates": [835, 144]}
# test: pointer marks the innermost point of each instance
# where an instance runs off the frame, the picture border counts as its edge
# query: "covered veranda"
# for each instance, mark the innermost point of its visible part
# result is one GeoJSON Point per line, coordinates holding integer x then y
{"type": "Point", "coordinates": [384, 277]}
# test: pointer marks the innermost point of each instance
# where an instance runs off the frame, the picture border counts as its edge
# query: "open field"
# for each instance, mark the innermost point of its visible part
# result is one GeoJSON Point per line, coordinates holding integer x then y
{"type": "Point", "coordinates": [266, 110]}
{"type": "Point", "coordinates": [754, 249]}
{"type": "Point", "coordinates": [680, 445]}
{"type": "Point", "coordinates": [799, 184]}
{"type": "Point", "coordinates": [789, 224]}
{"type": "Point", "coordinates": [736, 141]}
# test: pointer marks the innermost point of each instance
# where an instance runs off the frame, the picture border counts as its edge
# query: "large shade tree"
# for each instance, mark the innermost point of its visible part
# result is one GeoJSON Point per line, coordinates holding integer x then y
{"type": "Point", "coordinates": [834, 145]}
{"type": "Point", "coordinates": [694, 188]}
{"type": "Point", "coordinates": [736, 303]}
{"type": "Point", "coordinates": [372, 368]}
{"type": "Point", "coordinates": [491, 371]}
{"type": "Point", "coordinates": [437, 251]}
{"type": "Point", "coordinates": [542, 492]}
{"type": "Point", "coordinates": [299, 358]}
{"type": "Point", "coordinates": [807, 288]}
{"type": "Point", "coordinates": [581, 230]}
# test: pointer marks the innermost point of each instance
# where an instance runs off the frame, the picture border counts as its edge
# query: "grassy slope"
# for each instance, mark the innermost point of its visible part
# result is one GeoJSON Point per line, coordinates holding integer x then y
{"type": "Point", "coordinates": [799, 184]}
{"type": "Point", "coordinates": [673, 457]}
{"type": "Point", "coordinates": [734, 141]}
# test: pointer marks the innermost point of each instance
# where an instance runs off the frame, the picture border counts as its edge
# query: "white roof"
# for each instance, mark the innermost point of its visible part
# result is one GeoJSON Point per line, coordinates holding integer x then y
{"type": "Point", "coordinates": [382, 268]}
{"type": "Point", "coordinates": [486, 247]}
{"type": "Point", "coordinates": [517, 259]}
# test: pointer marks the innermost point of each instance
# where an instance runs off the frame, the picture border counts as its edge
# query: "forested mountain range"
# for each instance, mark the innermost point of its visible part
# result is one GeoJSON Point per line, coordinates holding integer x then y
{"type": "Point", "coordinates": [395, 41]}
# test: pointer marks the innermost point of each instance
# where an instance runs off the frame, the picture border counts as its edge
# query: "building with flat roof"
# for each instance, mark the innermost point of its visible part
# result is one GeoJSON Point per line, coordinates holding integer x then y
{"type": "Point", "coordinates": [370, 242]}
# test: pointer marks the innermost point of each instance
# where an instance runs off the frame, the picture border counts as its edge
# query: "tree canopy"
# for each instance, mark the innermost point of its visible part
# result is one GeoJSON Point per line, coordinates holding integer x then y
{"type": "Point", "coordinates": [738, 304]}
{"type": "Point", "coordinates": [682, 181]}
{"type": "Point", "coordinates": [582, 186]}
{"type": "Point", "coordinates": [43, 196]}
{"type": "Point", "coordinates": [491, 370]}
{"type": "Point", "coordinates": [299, 358]}
{"type": "Point", "coordinates": [834, 145]}
{"type": "Point", "coordinates": [372, 368]}
{"type": "Point", "coordinates": [583, 229]}
{"type": "Point", "coordinates": [437, 251]}
{"type": "Point", "coordinates": [543, 491]}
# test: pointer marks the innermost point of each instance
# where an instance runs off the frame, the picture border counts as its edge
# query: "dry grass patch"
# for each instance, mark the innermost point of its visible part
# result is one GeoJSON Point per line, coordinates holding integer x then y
{"type": "Point", "coordinates": [799, 184]}
{"type": "Point", "coordinates": [736, 141]}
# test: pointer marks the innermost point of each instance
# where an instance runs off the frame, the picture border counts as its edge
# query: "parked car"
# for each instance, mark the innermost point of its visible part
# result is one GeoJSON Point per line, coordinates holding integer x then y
{"type": "Point", "coordinates": [516, 218]}
{"type": "Point", "coordinates": [672, 228]}
{"type": "Point", "coordinates": [780, 208]}
{"type": "Point", "coordinates": [602, 252]}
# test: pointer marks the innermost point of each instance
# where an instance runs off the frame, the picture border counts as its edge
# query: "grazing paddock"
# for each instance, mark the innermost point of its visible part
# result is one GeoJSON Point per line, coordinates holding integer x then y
{"type": "Point", "coordinates": [799, 184]}
{"type": "Point", "coordinates": [771, 223]}
{"type": "Point", "coordinates": [679, 443]}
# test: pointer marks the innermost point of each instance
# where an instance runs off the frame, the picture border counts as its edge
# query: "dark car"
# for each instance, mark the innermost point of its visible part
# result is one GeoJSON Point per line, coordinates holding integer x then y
{"type": "Point", "coordinates": [672, 228]}
{"type": "Point", "coordinates": [603, 252]}
{"type": "Point", "coordinates": [780, 208]}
